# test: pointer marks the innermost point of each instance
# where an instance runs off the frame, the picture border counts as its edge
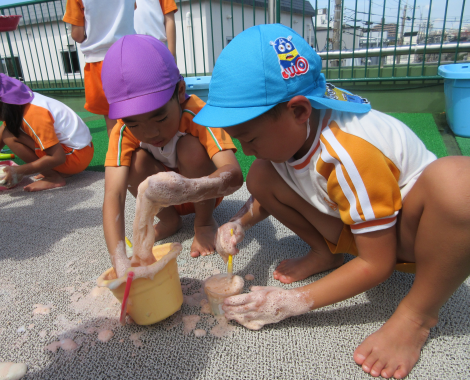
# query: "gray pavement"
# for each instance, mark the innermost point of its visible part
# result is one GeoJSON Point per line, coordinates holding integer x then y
{"type": "Point", "coordinates": [52, 250]}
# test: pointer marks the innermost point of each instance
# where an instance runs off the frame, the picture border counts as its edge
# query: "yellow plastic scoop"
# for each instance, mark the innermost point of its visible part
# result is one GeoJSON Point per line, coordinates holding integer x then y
{"type": "Point", "coordinates": [230, 258]}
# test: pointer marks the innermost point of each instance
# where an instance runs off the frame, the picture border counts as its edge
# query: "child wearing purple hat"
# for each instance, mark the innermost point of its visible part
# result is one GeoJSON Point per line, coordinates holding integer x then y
{"type": "Point", "coordinates": [43, 132]}
{"type": "Point", "coordinates": [156, 133]}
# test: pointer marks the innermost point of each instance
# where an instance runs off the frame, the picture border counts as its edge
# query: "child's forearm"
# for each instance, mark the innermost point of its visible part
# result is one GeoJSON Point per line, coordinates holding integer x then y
{"type": "Point", "coordinates": [268, 304]}
{"type": "Point", "coordinates": [377, 257]}
{"type": "Point", "coordinates": [250, 214]}
{"type": "Point", "coordinates": [375, 263]}
{"type": "Point", "coordinates": [170, 29]}
{"type": "Point", "coordinates": [169, 188]}
{"type": "Point", "coordinates": [115, 190]}
{"type": "Point", "coordinates": [347, 281]}
{"type": "Point", "coordinates": [41, 165]}
{"type": "Point", "coordinates": [114, 233]}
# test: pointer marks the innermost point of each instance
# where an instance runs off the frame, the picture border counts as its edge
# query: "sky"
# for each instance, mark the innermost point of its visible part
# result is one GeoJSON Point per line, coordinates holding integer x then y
{"type": "Point", "coordinates": [421, 11]}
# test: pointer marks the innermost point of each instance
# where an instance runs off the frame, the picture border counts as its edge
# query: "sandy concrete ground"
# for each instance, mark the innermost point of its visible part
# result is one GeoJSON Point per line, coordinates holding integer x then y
{"type": "Point", "coordinates": [52, 251]}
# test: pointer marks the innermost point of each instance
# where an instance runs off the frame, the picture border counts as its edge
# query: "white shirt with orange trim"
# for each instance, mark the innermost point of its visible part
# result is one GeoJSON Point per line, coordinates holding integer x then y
{"type": "Point", "coordinates": [360, 168]}
{"type": "Point", "coordinates": [149, 17]}
{"type": "Point", "coordinates": [105, 22]}
{"type": "Point", "coordinates": [49, 122]}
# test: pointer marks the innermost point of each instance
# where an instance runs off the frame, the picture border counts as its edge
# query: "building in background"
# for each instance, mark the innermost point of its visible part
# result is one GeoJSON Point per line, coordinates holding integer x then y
{"type": "Point", "coordinates": [42, 53]}
{"type": "Point", "coordinates": [204, 28]}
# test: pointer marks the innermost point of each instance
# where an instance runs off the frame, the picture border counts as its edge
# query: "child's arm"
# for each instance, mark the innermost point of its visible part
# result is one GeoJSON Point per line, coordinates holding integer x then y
{"type": "Point", "coordinates": [170, 29]}
{"type": "Point", "coordinates": [54, 157]}
{"type": "Point", "coordinates": [170, 188]}
{"type": "Point", "coordinates": [233, 232]}
{"type": "Point", "coordinates": [115, 190]}
{"type": "Point", "coordinates": [374, 264]}
{"type": "Point", "coordinates": [78, 33]}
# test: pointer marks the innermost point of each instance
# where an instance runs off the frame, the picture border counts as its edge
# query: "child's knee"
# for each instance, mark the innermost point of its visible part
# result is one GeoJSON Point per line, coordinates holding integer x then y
{"type": "Point", "coordinates": [447, 186]}
{"type": "Point", "coordinates": [7, 135]}
{"type": "Point", "coordinates": [260, 174]}
{"type": "Point", "coordinates": [139, 157]}
{"type": "Point", "coordinates": [191, 153]}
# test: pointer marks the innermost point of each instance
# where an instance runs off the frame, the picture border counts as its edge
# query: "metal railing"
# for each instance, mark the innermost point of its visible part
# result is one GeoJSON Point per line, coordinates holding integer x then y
{"type": "Point", "coordinates": [41, 52]}
{"type": "Point", "coordinates": [367, 40]}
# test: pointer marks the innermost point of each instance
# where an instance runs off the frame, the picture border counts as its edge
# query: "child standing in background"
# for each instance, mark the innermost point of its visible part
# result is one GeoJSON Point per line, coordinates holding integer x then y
{"type": "Point", "coordinates": [43, 132]}
{"type": "Point", "coordinates": [96, 25]}
{"type": "Point", "coordinates": [156, 18]}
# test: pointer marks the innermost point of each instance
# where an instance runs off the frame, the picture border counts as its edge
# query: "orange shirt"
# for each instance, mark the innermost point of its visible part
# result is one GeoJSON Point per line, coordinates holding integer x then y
{"type": "Point", "coordinates": [74, 13]}
{"type": "Point", "coordinates": [122, 142]}
{"type": "Point", "coordinates": [168, 6]}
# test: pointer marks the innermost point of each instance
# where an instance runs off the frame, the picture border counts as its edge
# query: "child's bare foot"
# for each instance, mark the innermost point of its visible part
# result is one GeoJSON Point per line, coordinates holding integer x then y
{"type": "Point", "coordinates": [204, 239]}
{"type": "Point", "coordinates": [394, 349]}
{"type": "Point", "coordinates": [292, 270]}
{"type": "Point", "coordinates": [47, 182]}
{"type": "Point", "coordinates": [164, 230]}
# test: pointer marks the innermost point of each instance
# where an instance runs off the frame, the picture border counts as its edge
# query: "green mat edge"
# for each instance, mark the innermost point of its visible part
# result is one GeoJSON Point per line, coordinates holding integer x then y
{"type": "Point", "coordinates": [422, 124]}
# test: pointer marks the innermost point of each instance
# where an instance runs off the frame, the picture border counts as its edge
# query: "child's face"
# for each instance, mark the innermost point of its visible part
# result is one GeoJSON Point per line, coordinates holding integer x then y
{"type": "Point", "coordinates": [276, 140]}
{"type": "Point", "coordinates": [159, 126]}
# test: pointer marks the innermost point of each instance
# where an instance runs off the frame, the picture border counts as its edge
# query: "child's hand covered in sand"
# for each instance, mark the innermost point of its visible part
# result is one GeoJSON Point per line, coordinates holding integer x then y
{"type": "Point", "coordinates": [9, 176]}
{"type": "Point", "coordinates": [264, 305]}
{"type": "Point", "coordinates": [228, 236]}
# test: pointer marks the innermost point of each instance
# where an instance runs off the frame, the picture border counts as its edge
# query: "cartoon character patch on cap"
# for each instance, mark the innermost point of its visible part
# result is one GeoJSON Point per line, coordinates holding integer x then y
{"type": "Point", "coordinates": [291, 62]}
{"type": "Point", "coordinates": [336, 93]}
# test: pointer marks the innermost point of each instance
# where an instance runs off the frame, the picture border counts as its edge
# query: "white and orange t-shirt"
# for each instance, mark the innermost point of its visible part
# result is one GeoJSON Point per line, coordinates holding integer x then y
{"type": "Point", "coordinates": [359, 168]}
{"type": "Point", "coordinates": [49, 122]}
{"type": "Point", "coordinates": [122, 142]}
{"type": "Point", "coordinates": [105, 22]}
{"type": "Point", "coordinates": [148, 17]}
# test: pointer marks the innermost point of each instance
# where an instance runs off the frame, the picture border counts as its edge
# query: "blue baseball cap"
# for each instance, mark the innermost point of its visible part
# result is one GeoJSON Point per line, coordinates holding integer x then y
{"type": "Point", "coordinates": [266, 65]}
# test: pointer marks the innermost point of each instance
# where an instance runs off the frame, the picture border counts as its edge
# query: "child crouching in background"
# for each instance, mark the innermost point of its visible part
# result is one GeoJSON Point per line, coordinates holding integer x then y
{"type": "Point", "coordinates": [44, 133]}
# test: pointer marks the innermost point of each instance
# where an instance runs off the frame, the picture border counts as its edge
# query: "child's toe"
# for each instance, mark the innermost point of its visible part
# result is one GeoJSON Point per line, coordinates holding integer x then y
{"type": "Point", "coordinates": [194, 254]}
{"type": "Point", "coordinates": [377, 368]}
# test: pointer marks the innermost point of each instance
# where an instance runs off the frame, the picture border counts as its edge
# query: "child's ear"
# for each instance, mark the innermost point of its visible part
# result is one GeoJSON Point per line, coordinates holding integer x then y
{"type": "Point", "coordinates": [182, 91]}
{"type": "Point", "coordinates": [300, 107]}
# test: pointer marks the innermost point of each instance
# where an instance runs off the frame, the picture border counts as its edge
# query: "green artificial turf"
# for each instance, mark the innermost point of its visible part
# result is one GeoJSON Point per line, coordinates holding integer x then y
{"type": "Point", "coordinates": [422, 124]}
{"type": "Point", "coordinates": [464, 145]}
{"type": "Point", "coordinates": [100, 143]}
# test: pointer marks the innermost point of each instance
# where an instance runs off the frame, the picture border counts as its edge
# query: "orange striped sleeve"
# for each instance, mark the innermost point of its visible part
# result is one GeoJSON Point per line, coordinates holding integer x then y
{"type": "Point", "coordinates": [74, 13]}
{"type": "Point", "coordinates": [122, 144]}
{"type": "Point", "coordinates": [361, 180]}
{"type": "Point", "coordinates": [168, 6]}
{"type": "Point", "coordinates": [38, 123]}
{"type": "Point", "coordinates": [214, 140]}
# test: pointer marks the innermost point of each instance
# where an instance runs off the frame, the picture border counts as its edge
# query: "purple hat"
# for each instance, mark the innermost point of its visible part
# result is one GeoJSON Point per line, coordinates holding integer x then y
{"type": "Point", "coordinates": [12, 91]}
{"type": "Point", "coordinates": [139, 75]}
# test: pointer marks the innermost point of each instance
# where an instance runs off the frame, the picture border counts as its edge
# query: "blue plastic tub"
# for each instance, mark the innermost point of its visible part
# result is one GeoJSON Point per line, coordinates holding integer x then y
{"type": "Point", "coordinates": [198, 86]}
{"type": "Point", "coordinates": [457, 94]}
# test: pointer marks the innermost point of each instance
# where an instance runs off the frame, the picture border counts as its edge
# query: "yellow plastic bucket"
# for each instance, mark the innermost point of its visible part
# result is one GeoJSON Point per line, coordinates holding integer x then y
{"type": "Point", "coordinates": [150, 300]}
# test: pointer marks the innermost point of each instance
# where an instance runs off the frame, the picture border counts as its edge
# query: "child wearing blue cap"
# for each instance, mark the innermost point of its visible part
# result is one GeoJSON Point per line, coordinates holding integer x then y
{"type": "Point", "coordinates": [345, 179]}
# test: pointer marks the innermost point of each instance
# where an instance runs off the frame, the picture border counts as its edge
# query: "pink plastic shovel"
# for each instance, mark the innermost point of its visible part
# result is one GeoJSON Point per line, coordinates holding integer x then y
{"type": "Point", "coordinates": [130, 277]}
